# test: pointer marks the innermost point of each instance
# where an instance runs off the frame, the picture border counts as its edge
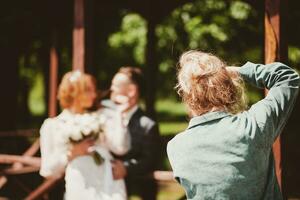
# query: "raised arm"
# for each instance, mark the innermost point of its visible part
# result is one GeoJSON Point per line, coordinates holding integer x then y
{"type": "Point", "coordinates": [116, 133]}
{"type": "Point", "coordinates": [272, 112]}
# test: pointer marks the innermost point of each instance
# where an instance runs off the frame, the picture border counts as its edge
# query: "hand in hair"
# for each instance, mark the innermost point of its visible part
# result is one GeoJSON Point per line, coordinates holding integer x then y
{"type": "Point", "coordinates": [232, 68]}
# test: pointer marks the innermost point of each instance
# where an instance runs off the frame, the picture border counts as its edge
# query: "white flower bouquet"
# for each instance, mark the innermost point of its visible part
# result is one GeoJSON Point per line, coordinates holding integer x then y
{"type": "Point", "coordinates": [85, 126]}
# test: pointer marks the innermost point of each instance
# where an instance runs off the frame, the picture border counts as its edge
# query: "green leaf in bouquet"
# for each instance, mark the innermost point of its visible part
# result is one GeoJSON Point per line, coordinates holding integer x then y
{"type": "Point", "coordinates": [95, 135]}
{"type": "Point", "coordinates": [97, 158]}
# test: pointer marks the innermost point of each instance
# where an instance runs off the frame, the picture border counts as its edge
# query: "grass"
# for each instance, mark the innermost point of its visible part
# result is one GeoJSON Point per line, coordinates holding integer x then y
{"type": "Point", "coordinates": [172, 116]}
{"type": "Point", "coordinates": [170, 106]}
{"type": "Point", "coordinates": [171, 128]}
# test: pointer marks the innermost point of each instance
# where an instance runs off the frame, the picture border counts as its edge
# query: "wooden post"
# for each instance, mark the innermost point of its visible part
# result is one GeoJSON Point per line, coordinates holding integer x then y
{"type": "Point", "coordinates": [52, 107]}
{"type": "Point", "coordinates": [275, 50]}
{"type": "Point", "coordinates": [90, 36]}
{"type": "Point", "coordinates": [78, 36]}
{"type": "Point", "coordinates": [275, 45]}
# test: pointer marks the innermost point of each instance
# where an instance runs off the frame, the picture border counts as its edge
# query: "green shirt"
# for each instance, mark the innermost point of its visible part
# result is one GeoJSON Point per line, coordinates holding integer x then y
{"type": "Point", "coordinates": [223, 156]}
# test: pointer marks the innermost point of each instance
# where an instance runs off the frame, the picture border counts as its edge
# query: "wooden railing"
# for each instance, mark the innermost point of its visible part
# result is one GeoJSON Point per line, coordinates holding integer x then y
{"type": "Point", "coordinates": [28, 163]}
{"type": "Point", "coordinates": [48, 184]}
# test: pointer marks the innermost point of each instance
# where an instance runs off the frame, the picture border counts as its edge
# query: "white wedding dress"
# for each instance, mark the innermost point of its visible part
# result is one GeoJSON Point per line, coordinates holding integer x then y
{"type": "Point", "coordinates": [84, 178]}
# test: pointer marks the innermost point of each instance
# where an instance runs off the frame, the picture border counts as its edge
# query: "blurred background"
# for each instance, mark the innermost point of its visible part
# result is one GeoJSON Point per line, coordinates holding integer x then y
{"type": "Point", "coordinates": [147, 34]}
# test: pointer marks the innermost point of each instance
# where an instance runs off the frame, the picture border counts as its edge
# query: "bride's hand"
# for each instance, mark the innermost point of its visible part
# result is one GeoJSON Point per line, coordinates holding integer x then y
{"type": "Point", "coordinates": [80, 149]}
{"type": "Point", "coordinates": [122, 103]}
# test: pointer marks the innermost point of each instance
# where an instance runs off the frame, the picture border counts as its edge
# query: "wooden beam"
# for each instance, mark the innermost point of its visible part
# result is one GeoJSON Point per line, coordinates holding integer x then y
{"type": "Point", "coordinates": [33, 148]}
{"type": "Point", "coordinates": [22, 170]}
{"type": "Point", "coordinates": [78, 36]}
{"type": "Point", "coordinates": [26, 160]}
{"type": "Point", "coordinates": [18, 167]}
{"type": "Point", "coordinates": [275, 50]}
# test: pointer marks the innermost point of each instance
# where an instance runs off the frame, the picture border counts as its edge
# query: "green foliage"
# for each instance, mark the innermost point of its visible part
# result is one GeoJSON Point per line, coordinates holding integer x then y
{"type": "Point", "coordinates": [36, 96]}
{"type": "Point", "coordinates": [132, 34]}
{"type": "Point", "coordinates": [25, 72]}
{"type": "Point", "coordinates": [227, 28]}
{"type": "Point", "coordinates": [32, 81]}
{"type": "Point", "coordinates": [205, 20]}
{"type": "Point", "coordinates": [294, 55]}
{"type": "Point", "coordinates": [164, 34]}
{"type": "Point", "coordinates": [239, 10]}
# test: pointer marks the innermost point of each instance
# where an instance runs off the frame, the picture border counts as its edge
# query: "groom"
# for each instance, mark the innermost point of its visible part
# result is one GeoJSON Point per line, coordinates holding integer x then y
{"type": "Point", "coordinates": [142, 159]}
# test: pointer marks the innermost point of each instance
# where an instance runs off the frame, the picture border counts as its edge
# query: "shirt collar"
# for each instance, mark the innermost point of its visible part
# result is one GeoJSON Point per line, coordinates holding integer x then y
{"type": "Point", "coordinates": [130, 112]}
{"type": "Point", "coordinates": [210, 116]}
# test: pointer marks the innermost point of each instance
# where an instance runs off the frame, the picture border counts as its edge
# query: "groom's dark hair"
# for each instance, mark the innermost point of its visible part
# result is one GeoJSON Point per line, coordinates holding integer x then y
{"type": "Point", "coordinates": [135, 76]}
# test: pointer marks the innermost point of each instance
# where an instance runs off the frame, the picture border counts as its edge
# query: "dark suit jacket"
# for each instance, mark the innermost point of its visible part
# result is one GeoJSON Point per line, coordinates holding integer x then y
{"type": "Point", "coordinates": [143, 156]}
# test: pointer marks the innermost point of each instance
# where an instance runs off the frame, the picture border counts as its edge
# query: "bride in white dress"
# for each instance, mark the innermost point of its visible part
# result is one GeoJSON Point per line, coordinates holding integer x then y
{"type": "Point", "coordinates": [85, 178]}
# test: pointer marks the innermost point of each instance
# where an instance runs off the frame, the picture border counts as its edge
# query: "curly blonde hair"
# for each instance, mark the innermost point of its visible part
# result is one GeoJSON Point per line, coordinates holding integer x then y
{"type": "Point", "coordinates": [73, 85]}
{"type": "Point", "coordinates": [204, 84]}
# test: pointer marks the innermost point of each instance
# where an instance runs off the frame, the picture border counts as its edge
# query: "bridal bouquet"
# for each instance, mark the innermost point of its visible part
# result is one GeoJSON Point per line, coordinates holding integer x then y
{"type": "Point", "coordinates": [81, 127]}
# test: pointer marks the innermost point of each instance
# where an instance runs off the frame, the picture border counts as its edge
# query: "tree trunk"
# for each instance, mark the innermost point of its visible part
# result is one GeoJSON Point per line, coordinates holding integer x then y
{"type": "Point", "coordinates": [151, 69]}
{"type": "Point", "coordinates": [9, 87]}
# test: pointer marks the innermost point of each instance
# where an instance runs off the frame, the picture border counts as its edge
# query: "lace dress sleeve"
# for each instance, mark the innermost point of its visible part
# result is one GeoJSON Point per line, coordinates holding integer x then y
{"type": "Point", "coordinates": [53, 150]}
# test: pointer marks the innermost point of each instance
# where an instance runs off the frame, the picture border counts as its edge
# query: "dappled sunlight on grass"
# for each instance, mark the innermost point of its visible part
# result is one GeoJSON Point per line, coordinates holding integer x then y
{"type": "Point", "coordinates": [172, 117]}
{"type": "Point", "coordinates": [170, 191]}
{"type": "Point", "coordinates": [167, 191]}
{"type": "Point", "coordinates": [171, 128]}
{"type": "Point", "coordinates": [170, 106]}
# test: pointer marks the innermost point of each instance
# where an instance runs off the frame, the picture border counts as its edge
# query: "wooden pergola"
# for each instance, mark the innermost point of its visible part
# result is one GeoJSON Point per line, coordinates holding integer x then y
{"type": "Point", "coordinates": [275, 50]}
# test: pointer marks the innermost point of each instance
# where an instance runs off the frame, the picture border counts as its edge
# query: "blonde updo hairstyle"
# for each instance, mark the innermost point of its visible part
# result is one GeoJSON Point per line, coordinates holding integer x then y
{"type": "Point", "coordinates": [204, 84]}
{"type": "Point", "coordinates": [74, 84]}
